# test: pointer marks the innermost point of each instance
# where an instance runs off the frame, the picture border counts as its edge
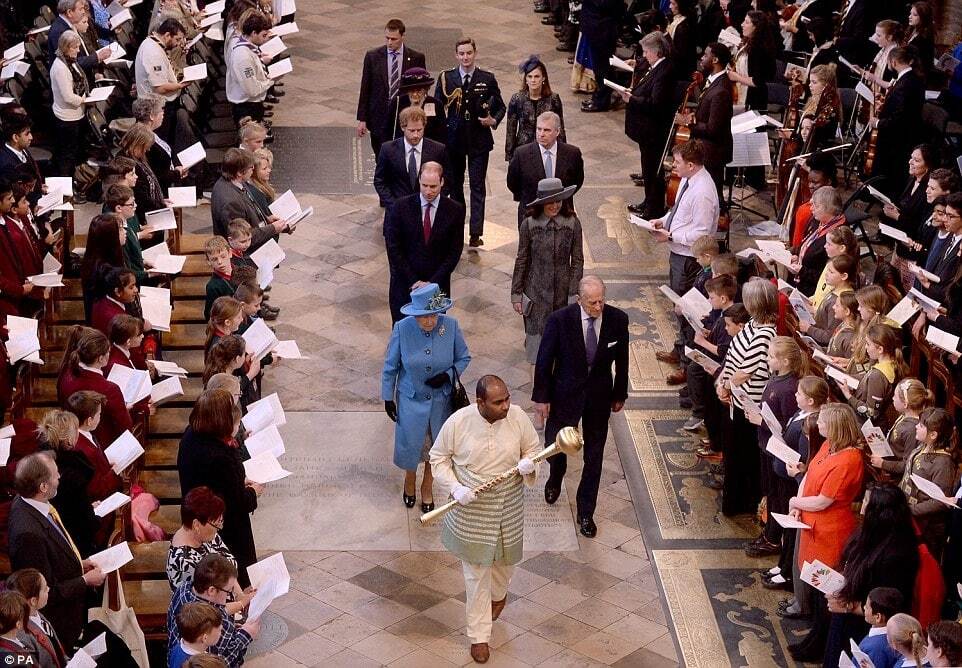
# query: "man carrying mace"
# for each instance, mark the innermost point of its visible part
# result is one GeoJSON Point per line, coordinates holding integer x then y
{"type": "Point", "coordinates": [476, 444]}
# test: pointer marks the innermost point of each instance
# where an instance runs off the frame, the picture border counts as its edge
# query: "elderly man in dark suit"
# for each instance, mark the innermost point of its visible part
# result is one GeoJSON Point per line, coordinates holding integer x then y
{"type": "Point", "coordinates": [381, 83]}
{"type": "Point", "coordinates": [648, 120]}
{"type": "Point", "coordinates": [573, 382]}
{"type": "Point", "coordinates": [424, 236]}
{"type": "Point", "coordinates": [38, 539]}
{"type": "Point", "coordinates": [473, 107]}
{"type": "Point", "coordinates": [544, 158]}
{"type": "Point", "coordinates": [711, 122]}
{"type": "Point", "coordinates": [400, 160]}
{"type": "Point", "coordinates": [72, 15]}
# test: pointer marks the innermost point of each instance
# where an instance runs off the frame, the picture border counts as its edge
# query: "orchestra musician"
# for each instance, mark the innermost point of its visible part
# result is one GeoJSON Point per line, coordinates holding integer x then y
{"type": "Point", "coordinates": [648, 119]}
{"type": "Point", "coordinates": [795, 37]}
{"type": "Point", "coordinates": [824, 105]}
{"type": "Point", "coordinates": [711, 120]}
{"type": "Point", "coordinates": [888, 34]}
{"type": "Point", "coordinates": [754, 62]}
{"type": "Point", "coordinates": [898, 121]}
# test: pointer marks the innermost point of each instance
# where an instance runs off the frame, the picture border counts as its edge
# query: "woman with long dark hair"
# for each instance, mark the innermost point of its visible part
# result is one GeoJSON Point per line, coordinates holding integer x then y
{"type": "Point", "coordinates": [920, 34]}
{"type": "Point", "coordinates": [683, 33]}
{"type": "Point", "coordinates": [882, 552]}
{"type": "Point", "coordinates": [754, 61]}
{"type": "Point", "coordinates": [105, 251]}
{"type": "Point", "coordinates": [534, 98]}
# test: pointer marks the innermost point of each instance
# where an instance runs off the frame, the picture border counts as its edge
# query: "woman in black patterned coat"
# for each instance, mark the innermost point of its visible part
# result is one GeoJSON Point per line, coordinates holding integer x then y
{"type": "Point", "coordinates": [534, 98]}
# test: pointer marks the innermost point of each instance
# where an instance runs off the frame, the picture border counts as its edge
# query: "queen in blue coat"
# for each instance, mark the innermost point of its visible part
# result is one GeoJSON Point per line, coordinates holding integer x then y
{"type": "Point", "coordinates": [425, 349]}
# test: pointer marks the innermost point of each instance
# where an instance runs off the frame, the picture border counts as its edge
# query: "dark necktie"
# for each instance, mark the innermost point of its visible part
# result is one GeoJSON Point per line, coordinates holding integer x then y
{"type": "Point", "coordinates": [467, 81]}
{"type": "Point", "coordinates": [674, 207]}
{"type": "Point", "coordinates": [427, 223]}
{"type": "Point", "coordinates": [591, 342]}
{"type": "Point", "coordinates": [413, 168]}
{"type": "Point", "coordinates": [395, 74]}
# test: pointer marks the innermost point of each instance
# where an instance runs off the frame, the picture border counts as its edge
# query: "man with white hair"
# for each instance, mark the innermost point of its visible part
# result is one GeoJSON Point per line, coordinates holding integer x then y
{"type": "Point", "coordinates": [545, 158]}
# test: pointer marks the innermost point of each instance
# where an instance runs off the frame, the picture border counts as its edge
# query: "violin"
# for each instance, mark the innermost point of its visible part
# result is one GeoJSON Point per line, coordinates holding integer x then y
{"type": "Point", "coordinates": [679, 135]}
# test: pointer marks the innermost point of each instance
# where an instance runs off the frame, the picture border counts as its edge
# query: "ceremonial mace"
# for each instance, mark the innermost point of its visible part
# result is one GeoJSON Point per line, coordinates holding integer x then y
{"type": "Point", "coordinates": [568, 441]}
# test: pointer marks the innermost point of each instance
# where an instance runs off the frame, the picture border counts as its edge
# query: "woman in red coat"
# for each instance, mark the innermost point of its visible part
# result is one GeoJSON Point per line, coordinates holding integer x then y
{"type": "Point", "coordinates": [86, 355]}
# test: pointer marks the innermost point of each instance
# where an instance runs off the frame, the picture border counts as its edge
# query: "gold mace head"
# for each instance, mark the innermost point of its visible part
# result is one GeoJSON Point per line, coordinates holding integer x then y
{"type": "Point", "coordinates": [569, 441]}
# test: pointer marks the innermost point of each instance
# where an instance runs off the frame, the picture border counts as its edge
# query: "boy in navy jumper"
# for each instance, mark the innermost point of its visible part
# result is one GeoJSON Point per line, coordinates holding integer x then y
{"type": "Point", "coordinates": [880, 604]}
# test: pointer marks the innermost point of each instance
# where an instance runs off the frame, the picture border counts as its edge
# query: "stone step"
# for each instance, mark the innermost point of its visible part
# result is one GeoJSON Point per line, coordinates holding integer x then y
{"type": "Point", "coordinates": [164, 484]}
{"type": "Point", "coordinates": [150, 561]}
{"type": "Point", "coordinates": [192, 360]}
{"type": "Point", "coordinates": [181, 335]}
{"type": "Point", "coordinates": [168, 422]}
{"type": "Point", "coordinates": [71, 311]}
{"type": "Point", "coordinates": [161, 453]}
{"type": "Point", "coordinates": [45, 393]}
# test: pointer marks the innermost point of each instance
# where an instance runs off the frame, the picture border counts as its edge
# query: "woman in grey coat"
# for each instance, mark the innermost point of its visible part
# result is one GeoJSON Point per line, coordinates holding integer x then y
{"type": "Point", "coordinates": [550, 260]}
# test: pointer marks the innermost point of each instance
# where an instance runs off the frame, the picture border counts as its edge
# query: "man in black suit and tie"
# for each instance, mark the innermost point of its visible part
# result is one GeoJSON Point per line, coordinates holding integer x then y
{"type": "Point", "coordinates": [943, 259]}
{"type": "Point", "coordinates": [15, 152]}
{"type": "Point", "coordinates": [39, 540]}
{"type": "Point", "coordinates": [544, 158]}
{"type": "Point", "coordinates": [898, 121]}
{"type": "Point", "coordinates": [424, 236]}
{"type": "Point", "coordinates": [648, 120]}
{"type": "Point", "coordinates": [400, 160]}
{"type": "Point", "coordinates": [711, 121]}
{"type": "Point", "coordinates": [473, 107]}
{"type": "Point", "coordinates": [573, 382]}
{"type": "Point", "coordinates": [381, 82]}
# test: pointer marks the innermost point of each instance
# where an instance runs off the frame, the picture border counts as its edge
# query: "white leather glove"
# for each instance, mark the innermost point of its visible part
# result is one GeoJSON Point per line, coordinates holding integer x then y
{"type": "Point", "coordinates": [463, 495]}
{"type": "Point", "coordinates": [525, 466]}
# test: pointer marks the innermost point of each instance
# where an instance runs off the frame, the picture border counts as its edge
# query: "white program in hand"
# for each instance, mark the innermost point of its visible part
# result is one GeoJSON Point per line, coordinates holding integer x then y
{"type": "Point", "coordinates": [463, 495]}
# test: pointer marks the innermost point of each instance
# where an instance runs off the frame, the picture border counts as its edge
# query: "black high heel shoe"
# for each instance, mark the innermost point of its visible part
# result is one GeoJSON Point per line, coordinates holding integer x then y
{"type": "Point", "coordinates": [409, 501]}
{"type": "Point", "coordinates": [427, 507]}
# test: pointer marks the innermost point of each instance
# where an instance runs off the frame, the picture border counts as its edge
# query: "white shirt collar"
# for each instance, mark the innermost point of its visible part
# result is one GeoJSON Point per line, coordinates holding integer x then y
{"type": "Point", "coordinates": [116, 302]}
{"type": "Point", "coordinates": [657, 63]}
{"type": "Point", "coordinates": [37, 620]}
{"type": "Point", "coordinates": [20, 154]}
{"type": "Point", "coordinates": [42, 506]}
{"type": "Point", "coordinates": [187, 650]}
{"type": "Point", "coordinates": [417, 147]}
{"type": "Point", "coordinates": [876, 631]}
{"type": "Point", "coordinates": [584, 314]}
{"type": "Point", "coordinates": [553, 149]}
{"type": "Point", "coordinates": [15, 641]}
{"type": "Point", "coordinates": [125, 352]}
{"type": "Point", "coordinates": [465, 72]}
{"type": "Point", "coordinates": [902, 74]}
{"type": "Point", "coordinates": [434, 204]}
{"type": "Point", "coordinates": [87, 435]}
{"type": "Point", "coordinates": [712, 77]}
{"type": "Point", "coordinates": [90, 368]}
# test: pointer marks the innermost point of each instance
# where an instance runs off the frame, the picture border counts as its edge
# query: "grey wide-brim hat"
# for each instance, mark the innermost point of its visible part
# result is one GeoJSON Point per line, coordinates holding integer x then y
{"type": "Point", "coordinates": [552, 190]}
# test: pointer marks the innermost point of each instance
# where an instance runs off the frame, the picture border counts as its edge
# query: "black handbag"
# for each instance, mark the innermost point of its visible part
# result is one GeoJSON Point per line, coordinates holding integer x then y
{"type": "Point", "coordinates": [459, 397]}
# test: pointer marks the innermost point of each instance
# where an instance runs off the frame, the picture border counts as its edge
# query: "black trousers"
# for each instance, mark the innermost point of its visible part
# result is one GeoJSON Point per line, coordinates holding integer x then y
{"type": "Point", "coordinates": [253, 109]}
{"type": "Point", "coordinates": [654, 182]}
{"type": "Point", "coordinates": [377, 138]}
{"type": "Point", "coordinates": [741, 492]}
{"type": "Point", "coordinates": [778, 491]}
{"type": "Point", "coordinates": [477, 168]}
{"type": "Point", "coordinates": [594, 430]}
{"type": "Point", "coordinates": [67, 151]}
{"type": "Point", "coordinates": [682, 273]}
{"type": "Point", "coordinates": [168, 129]}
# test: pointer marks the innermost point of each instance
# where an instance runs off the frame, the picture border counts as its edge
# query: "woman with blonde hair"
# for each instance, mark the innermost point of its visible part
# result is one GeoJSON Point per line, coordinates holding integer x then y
{"type": "Point", "coordinates": [824, 104]}
{"type": "Point", "coordinates": [148, 191]}
{"type": "Point", "coordinates": [745, 369]}
{"type": "Point", "coordinates": [831, 484]}
{"type": "Point", "coordinates": [907, 638]}
{"type": "Point", "coordinates": [70, 86]}
{"type": "Point", "coordinates": [58, 431]}
{"type": "Point", "coordinates": [873, 305]}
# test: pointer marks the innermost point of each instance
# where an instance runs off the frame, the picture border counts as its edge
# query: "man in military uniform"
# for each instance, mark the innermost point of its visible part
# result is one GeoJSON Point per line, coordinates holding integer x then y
{"type": "Point", "coordinates": [473, 106]}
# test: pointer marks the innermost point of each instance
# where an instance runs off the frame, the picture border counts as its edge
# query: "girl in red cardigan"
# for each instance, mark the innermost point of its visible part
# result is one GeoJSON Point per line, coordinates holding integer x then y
{"type": "Point", "coordinates": [84, 358]}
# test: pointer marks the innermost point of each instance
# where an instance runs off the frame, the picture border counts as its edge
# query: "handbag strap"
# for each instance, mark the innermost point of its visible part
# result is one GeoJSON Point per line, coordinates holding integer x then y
{"type": "Point", "coordinates": [457, 376]}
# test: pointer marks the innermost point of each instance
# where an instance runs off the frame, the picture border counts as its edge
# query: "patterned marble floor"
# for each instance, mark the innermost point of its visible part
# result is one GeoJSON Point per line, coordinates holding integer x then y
{"type": "Point", "coordinates": [599, 605]}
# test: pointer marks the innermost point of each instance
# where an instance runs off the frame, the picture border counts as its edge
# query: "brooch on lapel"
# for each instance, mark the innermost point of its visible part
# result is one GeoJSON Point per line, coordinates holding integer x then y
{"type": "Point", "coordinates": [441, 330]}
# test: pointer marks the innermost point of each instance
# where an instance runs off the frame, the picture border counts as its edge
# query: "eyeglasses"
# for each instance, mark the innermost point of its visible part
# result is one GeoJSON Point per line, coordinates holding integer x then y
{"type": "Point", "coordinates": [219, 524]}
{"type": "Point", "coordinates": [226, 591]}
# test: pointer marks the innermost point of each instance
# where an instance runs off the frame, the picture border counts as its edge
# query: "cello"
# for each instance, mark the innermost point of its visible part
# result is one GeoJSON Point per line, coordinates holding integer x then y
{"type": "Point", "coordinates": [789, 146]}
{"type": "Point", "coordinates": [679, 135]}
{"type": "Point", "coordinates": [870, 148]}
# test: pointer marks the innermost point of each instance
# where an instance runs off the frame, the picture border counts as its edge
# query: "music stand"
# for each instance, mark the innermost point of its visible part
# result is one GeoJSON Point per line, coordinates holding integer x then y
{"type": "Point", "coordinates": [749, 149]}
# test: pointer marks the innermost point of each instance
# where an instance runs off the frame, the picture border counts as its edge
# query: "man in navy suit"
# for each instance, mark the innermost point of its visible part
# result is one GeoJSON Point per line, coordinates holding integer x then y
{"type": "Point", "coordinates": [38, 539]}
{"type": "Point", "coordinates": [381, 82]}
{"type": "Point", "coordinates": [400, 160]}
{"type": "Point", "coordinates": [424, 236]}
{"type": "Point", "coordinates": [532, 162]}
{"type": "Point", "coordinates": [573, 382]}
{"type": "Point", "coordinates": [72, 15]}
{"type": "Point", "coordinates": [14, 154]}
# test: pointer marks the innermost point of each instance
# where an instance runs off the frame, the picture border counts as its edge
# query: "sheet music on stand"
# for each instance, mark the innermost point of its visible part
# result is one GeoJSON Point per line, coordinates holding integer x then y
{"type": "Point", "coordinates": [750, 150]}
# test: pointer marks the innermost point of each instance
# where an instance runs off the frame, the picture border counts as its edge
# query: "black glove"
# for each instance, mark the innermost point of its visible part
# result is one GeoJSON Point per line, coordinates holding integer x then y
{"type": "Point", "coordinates": [438, 380]}
{"type": "Point", "coordinates": [391, 409]}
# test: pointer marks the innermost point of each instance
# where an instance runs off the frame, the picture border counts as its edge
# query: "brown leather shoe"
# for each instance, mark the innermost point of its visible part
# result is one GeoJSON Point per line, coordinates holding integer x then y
{"type": "Point", "coordinates": [480, 652]}
{"type": "Point", "coordinates": [497, 607]}
{"type": "Point", "coordinates": [677, 377]}
{"type": "Point", "coordinates": [667, 356]}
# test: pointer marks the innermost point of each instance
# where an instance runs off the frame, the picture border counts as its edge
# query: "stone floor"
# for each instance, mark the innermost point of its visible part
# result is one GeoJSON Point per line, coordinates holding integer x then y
{"type": "Point", "coordinates": [599, 605]}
